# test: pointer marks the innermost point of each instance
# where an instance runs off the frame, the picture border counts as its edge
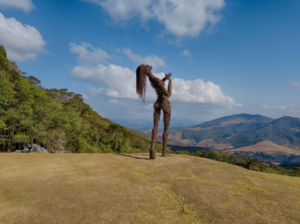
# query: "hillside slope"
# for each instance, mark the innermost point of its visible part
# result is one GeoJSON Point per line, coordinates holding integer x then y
{"type": "Point", "coordinates": [55, 118]}
{"type": "Point", "coordinates": [112, 188]}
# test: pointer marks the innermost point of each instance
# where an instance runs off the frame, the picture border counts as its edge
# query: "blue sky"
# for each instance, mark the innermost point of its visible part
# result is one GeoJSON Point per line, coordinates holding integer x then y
{"type": "Point", "coordinates": [226, 56]}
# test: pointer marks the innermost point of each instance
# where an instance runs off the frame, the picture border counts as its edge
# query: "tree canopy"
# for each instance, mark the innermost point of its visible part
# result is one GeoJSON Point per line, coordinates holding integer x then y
{"type": "Point", "coordinates": [55, 118]}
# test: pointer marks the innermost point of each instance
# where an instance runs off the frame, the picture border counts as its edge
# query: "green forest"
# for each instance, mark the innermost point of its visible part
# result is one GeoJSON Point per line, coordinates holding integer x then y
{"type": "Point", "coordinates": [55, 118]}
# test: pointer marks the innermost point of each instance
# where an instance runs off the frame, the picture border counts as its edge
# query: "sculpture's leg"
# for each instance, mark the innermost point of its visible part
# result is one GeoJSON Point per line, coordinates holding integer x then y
{"type": "Point", "coordinates": [167, 118]}
{"type": "Point", "coordinates": [156, 117]}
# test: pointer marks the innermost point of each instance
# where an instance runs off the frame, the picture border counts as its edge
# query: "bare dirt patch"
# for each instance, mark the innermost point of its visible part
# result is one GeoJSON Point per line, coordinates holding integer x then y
{"type": "Point", "coordinates": [209, 143]}
{"type": "Point", "coordinates": [175, 136]}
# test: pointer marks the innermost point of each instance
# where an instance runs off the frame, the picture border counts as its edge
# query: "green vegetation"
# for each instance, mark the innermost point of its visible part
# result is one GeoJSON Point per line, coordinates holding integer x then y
{"type": "Point", "coordinates": [2, 51]}
{"type": "Point", "coordinates": [290, 165]}
{"type": "Point", "coordinates": [55, 118]}
{"type": "Point", "coordinates": [250, 164]}
{"type": "Point", "coordinates": [267, 158]}
{"type": "Point", "coordinates": [190, 149]}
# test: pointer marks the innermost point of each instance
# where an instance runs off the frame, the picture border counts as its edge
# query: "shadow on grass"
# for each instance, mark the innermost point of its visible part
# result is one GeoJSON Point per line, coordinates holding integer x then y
{"type": "Point", "coordinates": [135, 157]}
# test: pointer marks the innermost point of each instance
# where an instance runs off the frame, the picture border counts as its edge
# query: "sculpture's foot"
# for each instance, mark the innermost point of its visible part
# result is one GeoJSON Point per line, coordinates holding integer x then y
{"type": "Point", "coordinates": [165, 155]}
{"type": "Point", "coordinates": [152, 154]}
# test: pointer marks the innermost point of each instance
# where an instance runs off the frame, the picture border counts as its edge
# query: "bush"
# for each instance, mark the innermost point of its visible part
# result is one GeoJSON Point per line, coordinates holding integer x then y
{"type": "Point", "coordinates": [295, 172]}
{"type": "Point", "coordinates": [108, 149]}
{"type": "Point", "coordinates": [126, 149]}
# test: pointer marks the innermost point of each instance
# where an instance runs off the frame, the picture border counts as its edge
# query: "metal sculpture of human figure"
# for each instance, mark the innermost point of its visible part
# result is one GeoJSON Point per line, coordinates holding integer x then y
{"type": "Point", "coordinates": [162, 102]}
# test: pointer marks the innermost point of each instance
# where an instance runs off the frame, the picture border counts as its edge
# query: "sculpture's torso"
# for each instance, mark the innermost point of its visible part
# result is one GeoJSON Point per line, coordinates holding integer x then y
{"type": "Point", "coordinates": [162, 101]}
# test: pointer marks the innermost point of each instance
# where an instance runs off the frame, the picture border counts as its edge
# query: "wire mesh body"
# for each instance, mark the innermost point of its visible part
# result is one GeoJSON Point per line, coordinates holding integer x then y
{"type": "Point", "coordinates": [162, 103]}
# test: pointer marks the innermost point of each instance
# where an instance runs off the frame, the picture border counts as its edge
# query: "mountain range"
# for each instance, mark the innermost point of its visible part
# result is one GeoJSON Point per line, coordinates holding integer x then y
{"type": "Point", "coordinates": [255, 136]}
{"type": "Point", "coordinates": [240, 130]}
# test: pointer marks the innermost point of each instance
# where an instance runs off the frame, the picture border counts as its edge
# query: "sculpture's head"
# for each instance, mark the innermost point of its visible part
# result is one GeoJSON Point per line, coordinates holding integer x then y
{"type": "Point", "coordinates": [141, 79]}
{"type": "Point", "coordinates": [147, 69]}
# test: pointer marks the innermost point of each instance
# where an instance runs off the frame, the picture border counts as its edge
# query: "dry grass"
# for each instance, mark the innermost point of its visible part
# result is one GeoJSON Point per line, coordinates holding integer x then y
{"type": "Point", "coordinates": [108, 188]}
{"type": "Point", "coordinates": [268, 148]}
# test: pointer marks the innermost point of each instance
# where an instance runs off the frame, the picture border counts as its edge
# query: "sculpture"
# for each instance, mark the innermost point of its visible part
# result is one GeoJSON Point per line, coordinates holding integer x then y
{"type": "Point", "coordinates": [162, 102]}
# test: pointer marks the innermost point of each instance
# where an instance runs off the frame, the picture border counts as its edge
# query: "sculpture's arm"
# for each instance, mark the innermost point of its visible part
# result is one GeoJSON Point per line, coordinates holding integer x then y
{"type": "Point", "coordinates": [163, 90]}
{"type": "Point", "coordinates": [169, 92]}
{"type": "Point", "coordinates": [169, 88]}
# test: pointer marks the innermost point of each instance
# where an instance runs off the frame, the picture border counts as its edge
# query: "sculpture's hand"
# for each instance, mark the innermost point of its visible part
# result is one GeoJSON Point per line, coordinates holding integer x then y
{"type": "Point", "coordinates": [168, 76]}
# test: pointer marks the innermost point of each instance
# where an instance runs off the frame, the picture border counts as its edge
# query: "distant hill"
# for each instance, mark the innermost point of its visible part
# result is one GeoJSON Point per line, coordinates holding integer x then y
{"type": "Point", "coordinates": [245, 119]}
{"type": "Point", "coordinates": [283, 131]}
{"type": "Point", "coordinates": [241, 130]}
{"type": "Point", "coordinates": [268, 148]}
{"type": "Point", "coordinates": [268, 152]}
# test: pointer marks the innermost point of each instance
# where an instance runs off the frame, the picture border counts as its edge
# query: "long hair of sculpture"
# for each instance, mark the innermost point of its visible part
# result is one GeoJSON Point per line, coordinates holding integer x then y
{"type": "Point", "coordinates": [162, 102]}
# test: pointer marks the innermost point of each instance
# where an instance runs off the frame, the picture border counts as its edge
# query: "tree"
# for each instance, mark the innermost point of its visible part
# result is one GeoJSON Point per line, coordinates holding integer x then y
{"type": "Point", "coordinates": [2, 51]}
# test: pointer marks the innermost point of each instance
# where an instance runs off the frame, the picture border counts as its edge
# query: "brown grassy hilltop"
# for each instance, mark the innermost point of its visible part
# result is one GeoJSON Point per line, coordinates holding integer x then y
{"type": "Point", "coordinates": [268, 148]}
{"type": "Point", "coordinates": [111, 188]}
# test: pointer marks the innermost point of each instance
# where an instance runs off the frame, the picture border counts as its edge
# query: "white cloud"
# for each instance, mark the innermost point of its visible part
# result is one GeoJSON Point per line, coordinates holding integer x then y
{"type": "Point", "coordinates": [22, 42]}
{"type": "Point", "coordinates": [124, 10]}
{"type": "Point", "coordinates": [182, 18]}
{"type": "Point", "coordinates": [287, 110]}
{"type": "Point", "coordinates": [115, 87]}
{"type": "Point", "coordinates": [265, 106]}
{"type": "Point", "coordinates": [280, 107]}
{"type": "Point", "coordinates": [120, 83]}
{"type": "Point", "coordinates": [25, 5]}
{"type": "Point", "coordinates": [186, 53]}
{"type": "Point", "coordinates": [295, 83]}
{"type": "Point", "coordinates": [198, 91]}
{"type": "Point", "coordinates": [88, 54]}
{"type": "Point", "coordinates": [86, 97]}
{"type": "Point", "coordinates": [152, 60]}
